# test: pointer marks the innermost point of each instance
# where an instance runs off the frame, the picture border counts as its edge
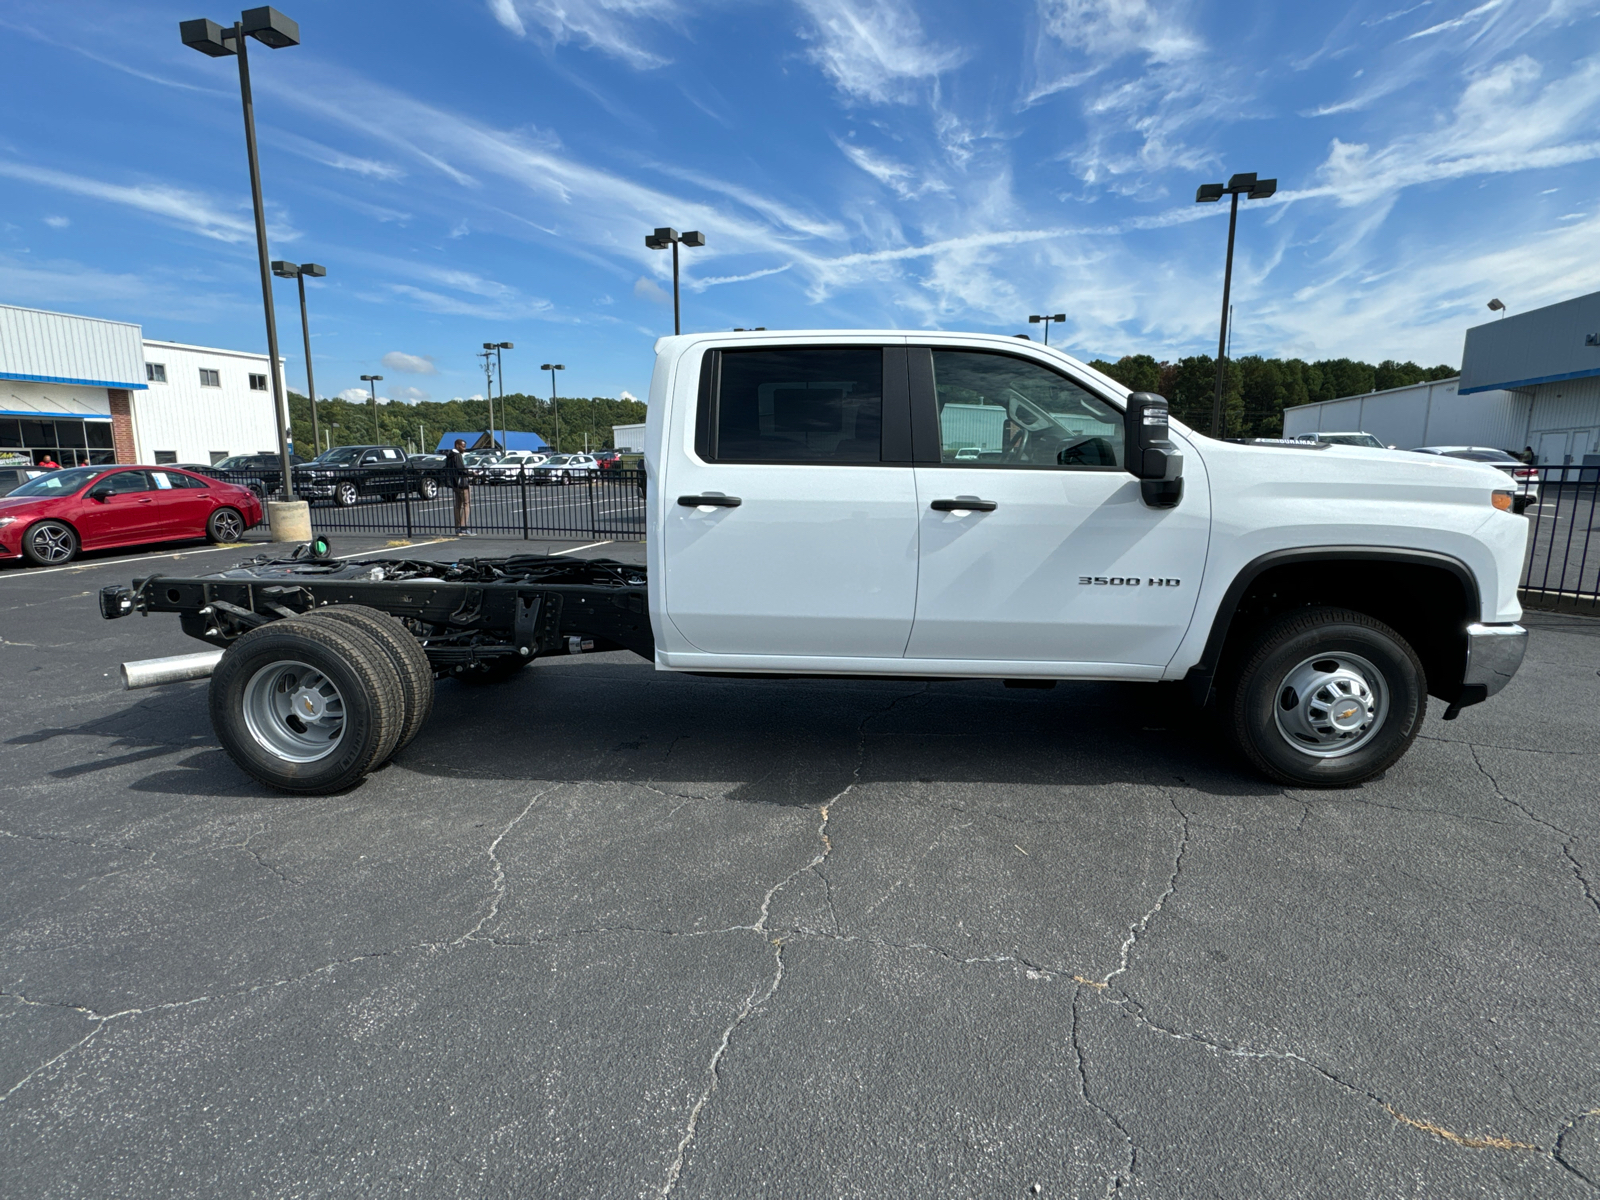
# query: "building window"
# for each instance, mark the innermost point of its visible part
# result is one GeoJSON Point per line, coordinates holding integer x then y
{"type": "Point", "coordinates": [166, 456]}
{"type": "Point", "coordinates": [155, 372]}
{"type": "Point", "coordinates": [258, 383]}
{"type": "Point", "coordinates": [217, 456]}
{"type": "Point", "coordinates": [210, 378]}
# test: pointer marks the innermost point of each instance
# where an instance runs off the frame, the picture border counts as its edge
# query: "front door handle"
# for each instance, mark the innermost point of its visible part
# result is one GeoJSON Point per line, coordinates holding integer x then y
{"type": "Point", "coordinates": [963, 504]}
{"type": "Point", "coordinates": [710, 501]}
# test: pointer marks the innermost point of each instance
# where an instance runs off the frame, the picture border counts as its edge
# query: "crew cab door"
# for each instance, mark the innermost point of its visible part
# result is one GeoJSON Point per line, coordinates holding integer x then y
{"type": "Point", "coordinates": [789, 527]}
{"type": "Point", "coordinates": [1057, 558]}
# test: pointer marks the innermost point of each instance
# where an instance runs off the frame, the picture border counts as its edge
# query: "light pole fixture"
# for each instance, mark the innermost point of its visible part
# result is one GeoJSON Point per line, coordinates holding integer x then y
{"type": "Point", "coordinates": [660, 240]}
{"type": "Point", "coordinates": [275, 31]}
{"type": "Point", "coordinates": [300, 272]}
{"type": "Point", "coordinates": [1046, 322]}
{"type": "Point", "coordinates": [487, 354]}
{"type": "Point", "coordinates": [500, 370]}
{"type": "Point", "coordinates": [372, 382]}
{"type": "Point", "coordinates": [553, 368]}
{"type": "Point", "coordinates": [1247, 185]}
{"type": "Point", "coordinates": [1497, 305]}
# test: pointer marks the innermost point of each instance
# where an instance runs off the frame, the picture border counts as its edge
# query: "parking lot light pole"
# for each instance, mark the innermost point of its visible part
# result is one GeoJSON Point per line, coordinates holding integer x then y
{"type": "Point", "coordinates": [275, 31]}
{"type": "Point", "coordinates": [500, 370]}
{"type": "Point", "coordinates": [487, 354]}
{"type": "Point", "coordinates": [660, 240]}
{"type": "Point", "coordinates": [372, 382]}
{"type": "Point", "coordinates": [1045, 320]}
{"type": "Point", "coordinates": [553, 368]}
{"type": "Point", "coordinates": [1244, 184]}
{"type": "Point", "coordinates": [288, 270]}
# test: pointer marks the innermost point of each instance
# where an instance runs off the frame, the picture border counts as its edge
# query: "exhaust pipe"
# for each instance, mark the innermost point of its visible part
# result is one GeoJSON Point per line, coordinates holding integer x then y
{"type": "Point", "coordinates": [152, 672]}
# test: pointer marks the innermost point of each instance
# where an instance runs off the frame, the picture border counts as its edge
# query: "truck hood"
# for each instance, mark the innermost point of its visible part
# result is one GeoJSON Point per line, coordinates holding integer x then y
{"type": "Point", "coordinates": [1295, 471]}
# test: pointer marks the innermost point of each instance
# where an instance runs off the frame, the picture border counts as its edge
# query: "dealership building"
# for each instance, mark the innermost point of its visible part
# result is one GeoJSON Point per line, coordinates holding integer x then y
{"type": "Point", "coordinates": [1532, 379]}
{"type": "Point", "coordinates": [83, 391]}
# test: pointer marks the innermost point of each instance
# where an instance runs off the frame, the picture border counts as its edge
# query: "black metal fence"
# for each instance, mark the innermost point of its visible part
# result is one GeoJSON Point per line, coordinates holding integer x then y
{"type": "Point", "coordinates": [1563, 567]}
{"type": "Point", "coordinates": [516, 502]}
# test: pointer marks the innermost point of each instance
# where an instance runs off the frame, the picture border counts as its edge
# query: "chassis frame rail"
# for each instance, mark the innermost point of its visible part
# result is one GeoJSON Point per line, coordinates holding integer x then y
{"type": "Point", "coordinates": [468, 612]}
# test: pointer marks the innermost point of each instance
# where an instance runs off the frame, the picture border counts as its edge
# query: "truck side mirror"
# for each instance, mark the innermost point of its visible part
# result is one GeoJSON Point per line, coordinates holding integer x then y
{"type": "Point", "coordinates": [1151, 457]}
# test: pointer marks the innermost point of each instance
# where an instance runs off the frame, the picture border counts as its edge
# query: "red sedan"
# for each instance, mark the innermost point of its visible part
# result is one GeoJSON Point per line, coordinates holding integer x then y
{"type": "Point", "coordinates": [49, 519]}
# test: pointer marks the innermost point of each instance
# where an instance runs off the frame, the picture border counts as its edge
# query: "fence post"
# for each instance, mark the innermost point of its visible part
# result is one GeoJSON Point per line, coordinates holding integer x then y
{"type": "Point", "coordinates": [406, 479]}
{"type": "Point", "coordinates": [522, 490]}
{"type": "Point", "coordinates": [588, 480]}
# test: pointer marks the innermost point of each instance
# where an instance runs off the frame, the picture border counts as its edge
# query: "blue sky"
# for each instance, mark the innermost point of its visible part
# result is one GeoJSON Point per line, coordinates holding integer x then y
{"type": "Point", "coordinates": [487, 170]}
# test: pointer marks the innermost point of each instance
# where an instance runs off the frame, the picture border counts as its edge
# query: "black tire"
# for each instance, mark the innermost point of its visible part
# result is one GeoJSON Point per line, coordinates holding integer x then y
{"type": "Point", "coordinates": [405, 654]}
{"type": "Point", "coordinates": [498, 671]}
{"type": "Point", "coordinates": [225, 525]}
{"type": "Point", "coordinates": [347, 658]}
{"type": "Point", "coordinates": [1303, 674]}
{"type": "Point", "coordinates": [427, 488]}
{"type": "Point", "coordinates": [346, 494]}
{"type": "Point", "coordinates": [50, 543]}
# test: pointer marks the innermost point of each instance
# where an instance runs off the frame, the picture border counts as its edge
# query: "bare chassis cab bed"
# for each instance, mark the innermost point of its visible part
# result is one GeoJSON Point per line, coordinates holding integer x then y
{"type": "Point", "coordinates": [471, 611]}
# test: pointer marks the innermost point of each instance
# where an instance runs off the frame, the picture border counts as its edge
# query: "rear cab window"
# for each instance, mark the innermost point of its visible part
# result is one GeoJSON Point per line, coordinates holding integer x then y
{"type": "Point", "coordinates": [800, 405]}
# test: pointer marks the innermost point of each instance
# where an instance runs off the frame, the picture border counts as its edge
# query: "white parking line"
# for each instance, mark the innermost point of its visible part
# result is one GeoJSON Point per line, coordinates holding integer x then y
{"type": "Point", "coordinates": [590, 546]}
{"type": "Point", "coordinates": [34, 572]}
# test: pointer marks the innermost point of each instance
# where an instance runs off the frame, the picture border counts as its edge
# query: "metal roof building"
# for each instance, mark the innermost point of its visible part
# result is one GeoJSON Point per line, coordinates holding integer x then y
{"type": "Point", "coordinates": [48, 347]}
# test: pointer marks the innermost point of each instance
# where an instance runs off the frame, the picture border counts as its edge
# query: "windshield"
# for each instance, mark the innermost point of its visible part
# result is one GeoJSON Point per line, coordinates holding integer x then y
{"type": "Point", "coordinates": [557, 461]}
{"type": "Point", "coordinates": [1351, 439]}
{"type": "Point", "coordinates": [58, 483]}
{"type": "Point", "coordinates": [339, 456]}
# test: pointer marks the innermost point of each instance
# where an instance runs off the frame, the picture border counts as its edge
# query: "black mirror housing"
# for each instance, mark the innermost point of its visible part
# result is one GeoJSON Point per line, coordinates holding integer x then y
{"type": "Point", "coordinates": [1149, 452]}
{"type": "Point", "coordinates": [99, 494]}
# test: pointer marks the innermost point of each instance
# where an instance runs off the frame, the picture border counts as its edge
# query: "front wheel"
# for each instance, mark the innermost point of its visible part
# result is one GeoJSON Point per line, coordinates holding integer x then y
{"type": "Point", "coordinates": [1326, 697]}
{"type": "Point", "coordinates": [50, 543]}
{"type": "Point", "coordinates": [345, 495]}
{"type": "Point", "coordinates": [428, 488]}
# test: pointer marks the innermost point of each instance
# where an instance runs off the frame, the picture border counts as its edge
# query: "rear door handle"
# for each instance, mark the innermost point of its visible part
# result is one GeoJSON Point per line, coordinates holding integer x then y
{"type": "Point", "coordinates": [710, 501]}
{"type": "Point", "coordinates": [964, 504]}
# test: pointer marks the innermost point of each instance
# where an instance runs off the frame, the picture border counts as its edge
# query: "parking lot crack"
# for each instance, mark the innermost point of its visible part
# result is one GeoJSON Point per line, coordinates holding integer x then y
{"type": "Point", "coordinates": [1142, 925]}
{"type": "Point", "coordinates": [1123, 1176]}
{"type": "Point", "coordinates": [497, 886]}
{"type": "Point", "coordinates": [752, 1003]}
{"type": "Point", "coordinates": [1568, 838]}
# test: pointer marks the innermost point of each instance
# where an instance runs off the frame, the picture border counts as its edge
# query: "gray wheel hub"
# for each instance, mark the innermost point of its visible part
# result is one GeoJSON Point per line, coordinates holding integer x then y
{"type": "Point", "coordinates": [1331, 705]}
{"type": "Point", "coordinates": [294, 712]}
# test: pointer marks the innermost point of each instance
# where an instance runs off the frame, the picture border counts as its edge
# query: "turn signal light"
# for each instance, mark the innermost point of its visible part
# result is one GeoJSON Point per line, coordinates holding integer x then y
{"type": "Point", "coordinates": [1501, 500]}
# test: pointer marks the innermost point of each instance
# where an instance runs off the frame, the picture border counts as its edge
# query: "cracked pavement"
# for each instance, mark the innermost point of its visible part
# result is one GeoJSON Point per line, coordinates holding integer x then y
{"type": "Point", "coordinates": [607, 932]}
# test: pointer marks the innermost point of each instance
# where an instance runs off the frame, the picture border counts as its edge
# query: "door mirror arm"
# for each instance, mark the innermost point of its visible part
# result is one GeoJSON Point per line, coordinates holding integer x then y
{"type": "Point", "coordinates": [1151, 456]}
{"type": "Point", "coordinates": [100, 494]}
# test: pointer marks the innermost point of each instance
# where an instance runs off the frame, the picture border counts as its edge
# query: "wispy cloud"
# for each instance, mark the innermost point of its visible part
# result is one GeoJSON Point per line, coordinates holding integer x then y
{"type": "Point", "coordinates": [1466, 18]}
{"type": "Point", "coordinates": [700, 285]}
{"type": "Point", "coordinates": [58, 222]}
{"type": "Point", "coordinates": [609, 26]}
{"type": "Point", "coordinates": [875, 50]}
{"type": "Point", "coordinates": [896, 176]}
{"type": "Point", "coordinates": [177, 206]}
{"type": "Point", "coordinates": [315, 151]}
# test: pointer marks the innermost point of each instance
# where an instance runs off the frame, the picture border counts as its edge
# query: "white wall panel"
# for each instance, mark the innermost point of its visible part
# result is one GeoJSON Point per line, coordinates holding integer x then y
{"type": "Point", "coordinates": [59, 347]}
{"type": "Point", "coordinates": [195, 422]}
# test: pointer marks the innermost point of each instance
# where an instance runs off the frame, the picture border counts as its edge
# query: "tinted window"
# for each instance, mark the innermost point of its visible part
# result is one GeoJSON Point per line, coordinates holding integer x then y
{"type": "Point", "coordinates": [810, 404]}
{"type": "Point", "coordinates": [180, 480]}
{"type": "Point", "coordinates": [999, 411]}
{"type": "Point", "coordinates": [128, 481]}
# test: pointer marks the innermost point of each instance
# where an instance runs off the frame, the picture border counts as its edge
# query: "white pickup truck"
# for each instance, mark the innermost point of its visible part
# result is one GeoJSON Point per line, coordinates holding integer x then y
{"type": "Point", "coordinates": [935, 506]}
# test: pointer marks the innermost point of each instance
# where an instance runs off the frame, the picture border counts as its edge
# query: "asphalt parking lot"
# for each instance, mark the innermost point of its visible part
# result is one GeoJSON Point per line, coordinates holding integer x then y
{"type": "Point", "coordinates": [607, 932]}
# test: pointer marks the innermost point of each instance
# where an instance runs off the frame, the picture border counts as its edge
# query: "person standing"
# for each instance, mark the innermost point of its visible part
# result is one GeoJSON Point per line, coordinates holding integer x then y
{"type": "Point", "coordinates": [461, 480]}
{"type": "Point", "coordinates": [49, 463]}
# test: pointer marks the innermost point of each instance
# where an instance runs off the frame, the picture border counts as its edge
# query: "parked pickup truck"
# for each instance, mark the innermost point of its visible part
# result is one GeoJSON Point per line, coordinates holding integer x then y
{"type": "Point", "coordinates": [815, 508]}
{"type": "Point", "coordinates": [347, 473]}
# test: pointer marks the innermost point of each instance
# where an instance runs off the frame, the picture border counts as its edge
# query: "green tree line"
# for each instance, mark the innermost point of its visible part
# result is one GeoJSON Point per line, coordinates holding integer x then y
{"type": "Point", "coordinates": [1256, 390]}
{"type": "Point", "coordinates": [420, 426]}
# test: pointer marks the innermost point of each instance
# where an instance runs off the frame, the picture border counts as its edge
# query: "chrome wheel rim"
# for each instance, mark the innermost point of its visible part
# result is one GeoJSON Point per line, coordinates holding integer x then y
{"type": "Point", "coordinates": [347, 494]}
{"type": "Point", "coordinates": [53, 543]}
{"type": "Point", "coordinates": [229, 527]}
{"type": "Point", "coordinates": [1331, 705]}
{"type": "Point", "coordinates": [294, 712]}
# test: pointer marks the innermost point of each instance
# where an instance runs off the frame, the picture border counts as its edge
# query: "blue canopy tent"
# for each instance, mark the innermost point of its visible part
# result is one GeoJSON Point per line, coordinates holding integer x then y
{"type": "Point", "coordinates": [511, 439]}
